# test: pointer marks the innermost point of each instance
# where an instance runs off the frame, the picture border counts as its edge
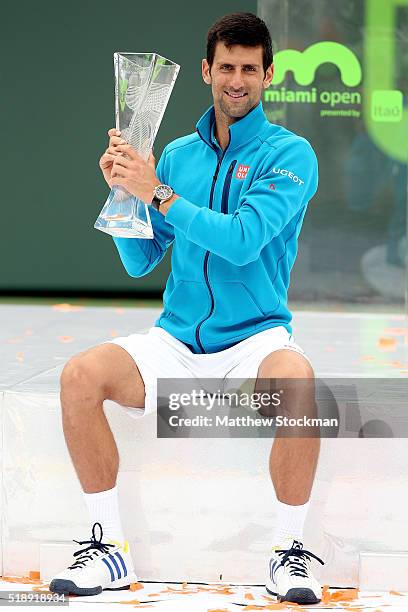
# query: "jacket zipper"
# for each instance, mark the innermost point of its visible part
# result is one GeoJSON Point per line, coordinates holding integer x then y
{"type": "Point", "coordinates": [207, 254]}
{"type": "Point", "coordinates": [226, 188]}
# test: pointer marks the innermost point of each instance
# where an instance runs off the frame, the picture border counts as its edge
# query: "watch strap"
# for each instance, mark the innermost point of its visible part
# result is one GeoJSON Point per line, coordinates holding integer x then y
{"type": "Point", "coordinates": [156, 202]}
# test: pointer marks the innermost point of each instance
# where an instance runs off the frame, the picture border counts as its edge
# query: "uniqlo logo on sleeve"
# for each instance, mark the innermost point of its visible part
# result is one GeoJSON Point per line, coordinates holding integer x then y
{"type": "Point", "coordinates": [242, 172]}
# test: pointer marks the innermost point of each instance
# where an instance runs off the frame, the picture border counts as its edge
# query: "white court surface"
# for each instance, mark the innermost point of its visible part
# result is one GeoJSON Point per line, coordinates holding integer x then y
{"type": "Point", "coordinates": [34, 339]}
{"type": "Point", "coordinates": [218, 597]}
{"type": "Point", "coordinates": [194, 508]}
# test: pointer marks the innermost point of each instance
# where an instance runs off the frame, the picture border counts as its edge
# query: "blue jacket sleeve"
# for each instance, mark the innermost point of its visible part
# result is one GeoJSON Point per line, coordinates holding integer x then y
{"type": "Point", "coordinates": [141, 255]}
{"type": "Point", "coordinates": [284, 186]}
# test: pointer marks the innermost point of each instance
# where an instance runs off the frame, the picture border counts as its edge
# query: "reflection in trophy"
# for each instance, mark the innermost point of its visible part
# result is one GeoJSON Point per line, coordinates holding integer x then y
{"type": "Point", "coordinates": [143, 85]}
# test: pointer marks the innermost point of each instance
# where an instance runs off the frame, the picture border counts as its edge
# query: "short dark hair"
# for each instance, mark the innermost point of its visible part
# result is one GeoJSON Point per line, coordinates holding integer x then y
{"type": "Point", "coordinates": [240, 29]}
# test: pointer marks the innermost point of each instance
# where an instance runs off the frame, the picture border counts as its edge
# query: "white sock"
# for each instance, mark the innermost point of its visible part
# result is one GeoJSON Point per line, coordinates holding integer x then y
{"type": "Point", "coordinates": [103, 508]}
{"type": "Point", "coordinates": [290, 521]}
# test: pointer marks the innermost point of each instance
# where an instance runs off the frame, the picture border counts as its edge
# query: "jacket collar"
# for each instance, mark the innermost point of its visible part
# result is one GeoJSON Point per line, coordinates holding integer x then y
{"type": "Point", "coordinates": [241, 131]}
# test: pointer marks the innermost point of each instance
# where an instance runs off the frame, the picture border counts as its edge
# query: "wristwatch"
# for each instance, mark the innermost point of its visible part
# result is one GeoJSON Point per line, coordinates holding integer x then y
{"type": "Point", "coordinates": [161, 193]}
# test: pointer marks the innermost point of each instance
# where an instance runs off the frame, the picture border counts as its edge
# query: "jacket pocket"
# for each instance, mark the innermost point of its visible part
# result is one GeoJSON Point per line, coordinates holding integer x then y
{"type": "Point", "coordinates": [235, 305]}
{"type": "Point", "coordinates": [188, 302]}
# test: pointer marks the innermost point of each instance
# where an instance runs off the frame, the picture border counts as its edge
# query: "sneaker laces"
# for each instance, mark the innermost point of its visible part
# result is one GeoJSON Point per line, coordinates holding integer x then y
{"type": "Point", "coordinates": [297, 566]}
{"type": "Point", "coordinates": [96, 546]}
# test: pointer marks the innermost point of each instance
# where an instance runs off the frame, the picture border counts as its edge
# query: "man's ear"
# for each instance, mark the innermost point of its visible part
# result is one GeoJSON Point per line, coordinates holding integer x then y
{"type": "Point", "coordinates": [205, 71]}
{"type": "Point", "coordinates": [268, 76]}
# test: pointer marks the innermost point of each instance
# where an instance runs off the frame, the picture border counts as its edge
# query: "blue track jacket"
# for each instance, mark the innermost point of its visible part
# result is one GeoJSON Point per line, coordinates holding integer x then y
{"type": "Point", "coordinates": [234, 230]}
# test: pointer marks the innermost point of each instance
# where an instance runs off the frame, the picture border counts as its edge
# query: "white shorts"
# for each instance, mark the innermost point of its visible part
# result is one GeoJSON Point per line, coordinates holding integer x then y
{"type": "Point", "coordinates": [158, 354]}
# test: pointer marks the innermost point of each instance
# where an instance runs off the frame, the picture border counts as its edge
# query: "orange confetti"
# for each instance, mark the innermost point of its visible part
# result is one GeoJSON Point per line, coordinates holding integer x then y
{"type": "Point", "coordinates": [249, 596]}
{"type": "Point", "coordinates": [65, 339]}
{"type": "Point", "coordinates": [344, 595]}
{"type": "Point", "coordinates": [397, 593]}
{"type": "Point", "coordinates": [28, 332]}
{"type": "Point", "coordinates": [386, 343]}
{"type": "Point", "coordinates": [131, 601]}
{"type": "Point", "coordinates": [119, 311]}
{"type": "Point", "coordinates": [15, 341]}
{"type": "Point", "coordinates": [22, 580]}
{"type": "Point", "coordinates": [113, 333]}
{"type": "Point", "coordinates": [67, 307]}
{"type": "Point", "coordinates": [34, 574]}
{"type": "Point", "coordinates": [20, 357]}
{"type": "Point", "coordinates": [217, 610]}
{"type": "Point", "coordinates": [136, 586]}
{"type": "Point", "coordinates": [325, 594]}
{"type": "Point", "coordinates": [42, 589]}
{"type": "Point", "coordinates": [184, 585]}
{"type": "Point", "coordinates": [396, 331]}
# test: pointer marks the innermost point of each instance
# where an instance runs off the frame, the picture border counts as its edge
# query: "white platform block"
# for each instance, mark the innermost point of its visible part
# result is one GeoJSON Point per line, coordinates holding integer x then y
{"type": "Point", "coordinates": [196, 508]}
{"type": "Point", "coordinates": [383, 571]}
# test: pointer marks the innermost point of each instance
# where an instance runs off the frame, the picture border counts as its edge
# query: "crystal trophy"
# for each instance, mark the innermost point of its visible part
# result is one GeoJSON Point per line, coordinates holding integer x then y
{"type": "Point", "coordinates": [143, 85]}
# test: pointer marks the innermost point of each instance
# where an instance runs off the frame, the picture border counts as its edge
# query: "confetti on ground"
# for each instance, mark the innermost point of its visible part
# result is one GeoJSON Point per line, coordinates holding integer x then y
{"type": "Point", "coordinates": [387, 343]}
{"type": "Point", "coordinates": [136, 586]}
{"type": "Point", "coordinates": [67, 308]}
{"type": "Point", "coordinates": [34, 575]}
{"type": "Point", "coordinates": [65, 339]}
{"type": "Point", "coordinates": [20, 357]}
{"type": "Point", "coordinates": [396, 331]}
{"type": "Point", "coordinates": [21, 580]}
{"type": "Point", "coordinates": [224, 597]}
{"type": "Point", "coordinates": [119, 311]}
{"type": "Point", "coordinates": [113, 333]}
{"type": "Point", "coordinates": [16, 340]}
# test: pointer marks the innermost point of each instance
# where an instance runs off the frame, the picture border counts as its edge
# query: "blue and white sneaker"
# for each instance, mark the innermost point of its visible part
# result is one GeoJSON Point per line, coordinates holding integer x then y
{"type": "Point", "coordinates": [100, 566]}
{"type": "Point", "coordinates": [290, 577]}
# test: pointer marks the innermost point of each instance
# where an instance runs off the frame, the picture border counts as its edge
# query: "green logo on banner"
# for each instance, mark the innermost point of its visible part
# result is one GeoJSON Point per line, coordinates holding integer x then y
{"type": "Point", "coordinates": [386, 106]}
{"type": "Point", "coordinates": [384, 115]}
{"type": "Point", "coordinates": [305, 63]}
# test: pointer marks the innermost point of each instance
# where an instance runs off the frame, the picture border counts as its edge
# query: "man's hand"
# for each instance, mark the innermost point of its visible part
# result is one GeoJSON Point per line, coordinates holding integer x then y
{"type": "Point", "coordinates": [107, 159]}
{"type": "Point", "coordinates": [131, 171]}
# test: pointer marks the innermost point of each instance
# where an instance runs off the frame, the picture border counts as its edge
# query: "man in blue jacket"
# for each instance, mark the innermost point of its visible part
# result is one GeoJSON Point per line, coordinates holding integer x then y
{"type": "Point", "coordinates": [231, 198]}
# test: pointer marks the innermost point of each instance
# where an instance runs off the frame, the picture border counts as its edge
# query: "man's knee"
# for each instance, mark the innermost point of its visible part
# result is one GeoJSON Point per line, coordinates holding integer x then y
{"type": "Point", "coordinates": [285, 363]}
{"type": "Point", "coordinates": [105, 372]}
{"type": "Point", "coordinates": [80, 377]}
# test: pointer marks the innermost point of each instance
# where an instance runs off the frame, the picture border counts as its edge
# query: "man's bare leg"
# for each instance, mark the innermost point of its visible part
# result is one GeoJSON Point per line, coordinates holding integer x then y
{"type": "Point", "coordinates": [292, 465]}
{"type": "Point", "coordinates": [104, 372]}
{"type": "Point", "coordinates": [293, 461]}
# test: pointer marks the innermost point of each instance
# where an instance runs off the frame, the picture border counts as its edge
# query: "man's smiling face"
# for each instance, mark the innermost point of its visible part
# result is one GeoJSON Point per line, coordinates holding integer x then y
{"type": "Point", "coordinates": [237, 79]}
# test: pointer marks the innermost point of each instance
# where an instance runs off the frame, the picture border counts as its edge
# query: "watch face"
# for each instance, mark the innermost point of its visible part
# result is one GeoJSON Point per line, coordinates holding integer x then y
{"type": "Point", "coordinates": [163, 192]}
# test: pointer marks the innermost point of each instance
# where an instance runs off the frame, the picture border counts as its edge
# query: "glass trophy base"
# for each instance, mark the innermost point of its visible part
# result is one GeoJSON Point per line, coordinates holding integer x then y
{"type": "Point", "coordinates": [119, 229]}
{"type": "Point", "coordinates": [124, 216]}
